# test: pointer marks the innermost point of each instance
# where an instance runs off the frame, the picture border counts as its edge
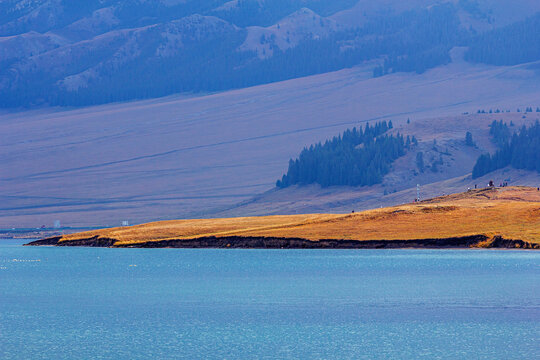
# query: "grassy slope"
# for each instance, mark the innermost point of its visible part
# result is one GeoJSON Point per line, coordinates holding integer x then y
{"type": "Point", "coordinates": [185, 157]}
{"type": "Point", "coordinates": [399, 186]}
{"type": "Point", "coordinates": [513, 213]}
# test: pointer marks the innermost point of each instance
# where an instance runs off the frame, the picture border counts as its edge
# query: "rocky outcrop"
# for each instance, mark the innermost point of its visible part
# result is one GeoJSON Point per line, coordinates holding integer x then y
{"type": "Point", "coordinates": [45, 242]}
{"type": "Point", "coordinates": [500, 242]}
{"type": "Point", "coordinates": [94, 241]}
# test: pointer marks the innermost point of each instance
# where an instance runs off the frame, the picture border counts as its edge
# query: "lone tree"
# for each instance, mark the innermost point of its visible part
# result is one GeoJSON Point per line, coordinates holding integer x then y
{"type": "Point", "coordinates": [420, 161]}
{"type": "Point", "coordinates": [469, 140]}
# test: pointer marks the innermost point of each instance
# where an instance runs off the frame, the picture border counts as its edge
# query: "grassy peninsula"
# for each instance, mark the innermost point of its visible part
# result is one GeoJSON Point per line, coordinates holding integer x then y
{"type": "Point", "coordinates": [506, 217]}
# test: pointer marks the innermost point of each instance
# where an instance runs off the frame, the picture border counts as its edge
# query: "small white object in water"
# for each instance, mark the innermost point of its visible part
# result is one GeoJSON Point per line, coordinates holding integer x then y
{"type": "Point", "coordinates": [25, 260]}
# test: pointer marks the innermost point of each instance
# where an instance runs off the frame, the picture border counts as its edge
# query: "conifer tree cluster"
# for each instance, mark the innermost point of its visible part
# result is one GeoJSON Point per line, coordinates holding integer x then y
{"type": "Point", "coordinates": [510, 45]}
{"type": "Point", "coordinates": [520, 150]}
{"type": "Point", "coordinates": [358, 157]}
{"type": "Point", "coordinates": [500, 133]}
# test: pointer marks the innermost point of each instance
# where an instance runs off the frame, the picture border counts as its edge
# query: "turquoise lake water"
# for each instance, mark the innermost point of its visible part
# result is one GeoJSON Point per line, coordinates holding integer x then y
{"type": "Point", "coordinates": [92, 303]}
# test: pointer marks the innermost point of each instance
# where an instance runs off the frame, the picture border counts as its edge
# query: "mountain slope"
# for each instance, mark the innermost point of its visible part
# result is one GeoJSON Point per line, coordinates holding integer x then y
{"type": "Point", "coordinates": [191, 156]}
{"type": "Point", "coordinates": [303, 24]}
{"type": "Point", "coordinates": [61, 52]}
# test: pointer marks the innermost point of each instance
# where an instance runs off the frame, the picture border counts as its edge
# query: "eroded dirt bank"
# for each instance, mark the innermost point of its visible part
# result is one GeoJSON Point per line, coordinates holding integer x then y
{"type": "Point", "coordinates": [476, 241]}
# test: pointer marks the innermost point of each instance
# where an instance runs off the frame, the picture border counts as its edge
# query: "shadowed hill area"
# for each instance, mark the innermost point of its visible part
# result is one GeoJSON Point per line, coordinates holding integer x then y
{"type": "Point", "coordinates": [68, 53]}
{"type": "Point", "coordinates": [489, 217]}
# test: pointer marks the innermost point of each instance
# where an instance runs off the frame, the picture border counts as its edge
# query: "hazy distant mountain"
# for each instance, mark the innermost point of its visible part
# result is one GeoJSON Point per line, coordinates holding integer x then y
{"type": "Point", "coordinates": [96, 51]}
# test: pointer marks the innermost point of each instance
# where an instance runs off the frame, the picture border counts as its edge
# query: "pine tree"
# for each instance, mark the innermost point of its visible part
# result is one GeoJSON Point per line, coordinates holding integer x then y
{"type": "Point", "coordinates": [420, 161]}
{"type": "Point", "coordinates": [469, 139]}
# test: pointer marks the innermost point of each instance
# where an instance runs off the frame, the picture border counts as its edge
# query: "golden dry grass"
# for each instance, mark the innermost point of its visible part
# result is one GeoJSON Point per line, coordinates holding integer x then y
{"type": "Point", "coordinates": [513, 213]}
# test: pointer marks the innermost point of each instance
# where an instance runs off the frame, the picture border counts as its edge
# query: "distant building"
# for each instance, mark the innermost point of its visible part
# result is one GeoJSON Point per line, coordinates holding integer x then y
{"type": "Point", "coordinates": [57, 224]}
{"type": "Point", "coordinates": [125, 223]}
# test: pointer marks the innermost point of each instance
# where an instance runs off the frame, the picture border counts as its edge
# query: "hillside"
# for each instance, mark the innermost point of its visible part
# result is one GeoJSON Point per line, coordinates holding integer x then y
{"type": "Point", "coordinates": [489, 217]}
{"type": "Point", "coordinates": [186, 157]}
{"type": "Point", "coordinates": [447, 160]}
{"type": "Point", "coordinates": [60, 52]}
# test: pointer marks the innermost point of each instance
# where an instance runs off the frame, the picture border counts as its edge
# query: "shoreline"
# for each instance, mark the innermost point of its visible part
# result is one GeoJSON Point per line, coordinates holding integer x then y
{"type": "Point", "coordinates": [484, 218]}
{"type": "Point", "coordinates": [241, 242]}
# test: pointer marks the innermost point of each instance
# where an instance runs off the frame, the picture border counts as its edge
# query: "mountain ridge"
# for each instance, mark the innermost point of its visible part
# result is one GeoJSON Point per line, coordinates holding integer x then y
{"type": "Point", "coordinates": [59, 55]}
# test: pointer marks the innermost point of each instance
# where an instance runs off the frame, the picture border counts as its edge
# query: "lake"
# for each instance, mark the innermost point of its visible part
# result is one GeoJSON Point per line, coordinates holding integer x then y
{"type": "Point", "coordinates": [96, 303]}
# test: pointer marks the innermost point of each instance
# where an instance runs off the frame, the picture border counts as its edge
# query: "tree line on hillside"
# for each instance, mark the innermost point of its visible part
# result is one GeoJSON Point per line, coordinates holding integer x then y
{"type": "Point", "coordinates": [521, 150]}
{"type": "Point", "coordinates": [430, 34]}
{"type": "Point", "coordinates": [514, 44]}
{"type": "Point", "coordinates": [358, 157]}
{"type": "Point", "coordinates": [528, 109]}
